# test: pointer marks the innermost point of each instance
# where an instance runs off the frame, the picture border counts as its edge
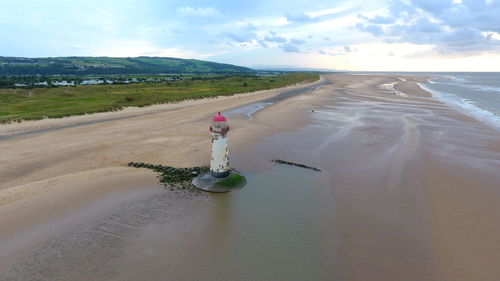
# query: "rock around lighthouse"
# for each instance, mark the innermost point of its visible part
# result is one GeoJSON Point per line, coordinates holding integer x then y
{"type": "Point", "coordinates": [221, 177]}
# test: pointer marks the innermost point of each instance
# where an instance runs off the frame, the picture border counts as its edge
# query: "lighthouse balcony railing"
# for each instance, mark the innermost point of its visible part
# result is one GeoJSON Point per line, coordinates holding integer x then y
{"type": "Point", "coordinates": [219, 129]}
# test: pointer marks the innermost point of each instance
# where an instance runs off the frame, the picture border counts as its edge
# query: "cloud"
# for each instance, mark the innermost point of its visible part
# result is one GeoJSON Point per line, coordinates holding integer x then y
{"type": "Point", "coordinates": [466, 40]}
{"type": "Point", "coordinates": [491, 35]}
{"type": "Point", "coordinates": [435, 7]}
{"type": "Point", "coordinates": [451, 26]}
{"type": "Point", "coordinates": [275, 38]}
{"type": "Point", "coordinates": [299, 17]}
{"type": "Point", "coordinates": [290, 48]}
{"type": "Point", "coordinates": [378, 19]}
{"type": "Point", "coordinates": [297, 41]}
{"type": "Point", "coordinates": [319, 16]}
{"type": "Point", "coordinates": [198, 13]}
{"type": "Point", "coordinates": [243, 34]}
{"type": "Point", "coordinates": [371, 28]}
{"type": "Point", "coordinates": [262, 43]}
{"type": "Point", "coordinates": [474, 14]}
{"type": "Point", "coordinates": [287, 45]}
{"type": "Point", "coordinates": [254, 32]}
{"type": "Point", "coordinates": [249, 35]}
{"type": "Point", "coordinates": [339, 51]}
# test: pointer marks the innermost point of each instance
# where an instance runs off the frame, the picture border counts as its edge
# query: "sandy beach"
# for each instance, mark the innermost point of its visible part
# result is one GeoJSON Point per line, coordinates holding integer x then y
{"type": "Point", "coordinates": [409, 190]}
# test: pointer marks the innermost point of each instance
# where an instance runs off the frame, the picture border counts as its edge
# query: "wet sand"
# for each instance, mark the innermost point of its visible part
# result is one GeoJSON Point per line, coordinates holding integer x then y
{"type": "Point", "coordinates": [409, 191]}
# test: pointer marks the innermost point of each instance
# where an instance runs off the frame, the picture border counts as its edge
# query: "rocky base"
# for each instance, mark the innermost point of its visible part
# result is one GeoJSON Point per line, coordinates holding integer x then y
{"type": "Point", "coordinates": [207, 182]}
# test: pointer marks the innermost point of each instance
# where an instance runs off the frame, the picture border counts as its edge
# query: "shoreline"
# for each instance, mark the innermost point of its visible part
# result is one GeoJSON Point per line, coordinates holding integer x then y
{"type": "Point", "coordinates": [469, 109]}
{"type": "Point", "coordinates": [195, 113]}
{"type": "Point", "coordinates": [394, 176]}
{"type": "Point", "coordinates": [29, 127]}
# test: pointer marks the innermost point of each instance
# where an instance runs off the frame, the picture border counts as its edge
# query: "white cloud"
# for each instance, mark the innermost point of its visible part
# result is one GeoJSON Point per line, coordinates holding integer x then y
{"type": "Point", "coordinates": [320, 15]}
{"type": "Point", "coordinates": [454, 28]}
{"type": "Point", "coordinates": [290, 48]}
{"type": "Point", "coordinates": [326, 12]}
{"type": "Point", "coordinates": [242, 34]}
{"type": "Point", "coordinates": [135, 48]}
{"type": "Point", "coordinates": [275, 38]}
{"type": "Point", "coordinates": [198, 12]}
{"type": "Point", "coordinates": [491, 34]}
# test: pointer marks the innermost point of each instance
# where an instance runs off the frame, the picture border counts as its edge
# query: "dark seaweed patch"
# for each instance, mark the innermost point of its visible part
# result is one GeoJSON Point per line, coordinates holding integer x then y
{"type": "Point", "coordinates": [174, 178]}
{"type": "Point", "coordinates": [279, 161]}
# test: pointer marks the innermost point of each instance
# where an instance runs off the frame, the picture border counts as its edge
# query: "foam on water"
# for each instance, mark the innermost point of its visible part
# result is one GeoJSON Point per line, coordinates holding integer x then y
{"type": "Point", "coordinates": [478, 101]}
{"type": "Point", "coordinates": [483, 88]}
{"type": "Point", "coordinates": [474, 87]}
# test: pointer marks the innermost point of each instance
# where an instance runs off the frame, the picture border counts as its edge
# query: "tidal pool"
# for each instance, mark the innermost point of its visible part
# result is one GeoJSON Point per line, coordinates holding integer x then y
{"type": "Point", "coordinates": [276, 228]}
{"type": "Point", "coordinates": [280, 226]}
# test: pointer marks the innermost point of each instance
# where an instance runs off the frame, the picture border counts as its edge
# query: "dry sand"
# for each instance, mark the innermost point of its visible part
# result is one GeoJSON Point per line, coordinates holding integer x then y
{"type": "Point", "coordinates": [414, 183]}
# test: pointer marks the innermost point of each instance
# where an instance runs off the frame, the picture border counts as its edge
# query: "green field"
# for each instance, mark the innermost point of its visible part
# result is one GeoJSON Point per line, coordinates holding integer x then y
{"type": "Point", "coordinates": [39, 103]}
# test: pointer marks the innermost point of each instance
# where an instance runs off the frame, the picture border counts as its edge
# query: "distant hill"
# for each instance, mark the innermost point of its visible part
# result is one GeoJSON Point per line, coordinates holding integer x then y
{"type": "Point", "coordinates": [107, 65]}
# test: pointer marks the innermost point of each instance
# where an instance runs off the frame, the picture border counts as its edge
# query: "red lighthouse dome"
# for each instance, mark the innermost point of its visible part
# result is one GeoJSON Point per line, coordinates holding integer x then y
{"type": "Point", "coordinates": [219, 124]}
{"type": "Point", "coordinates": [219, 118]}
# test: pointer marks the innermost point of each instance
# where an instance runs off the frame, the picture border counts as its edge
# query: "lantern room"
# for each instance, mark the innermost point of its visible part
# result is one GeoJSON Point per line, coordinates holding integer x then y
{"type": "Point", "coordinates": [219, 124]}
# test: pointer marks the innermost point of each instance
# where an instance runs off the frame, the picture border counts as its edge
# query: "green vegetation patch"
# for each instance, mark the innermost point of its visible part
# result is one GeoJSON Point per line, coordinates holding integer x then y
{"type": "Point", "coordinates": [234, 180]}
{"type": "Point", "coordinates": [47, 102]}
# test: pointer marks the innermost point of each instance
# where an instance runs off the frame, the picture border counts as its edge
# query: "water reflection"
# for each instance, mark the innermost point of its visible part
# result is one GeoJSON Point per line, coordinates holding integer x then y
{"type": "Point", "coordinates": [274, 228]}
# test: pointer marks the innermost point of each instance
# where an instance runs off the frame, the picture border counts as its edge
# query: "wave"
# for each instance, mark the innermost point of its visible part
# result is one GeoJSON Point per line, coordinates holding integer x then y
{"type": "Point", "coordinates": [458, 79]}
{"type": "Point", "coordinates": [482, 88]}
{"type": "Point", "coordinates": [468, 106]}
{"type": "Point", "coordinates": [475, 87]}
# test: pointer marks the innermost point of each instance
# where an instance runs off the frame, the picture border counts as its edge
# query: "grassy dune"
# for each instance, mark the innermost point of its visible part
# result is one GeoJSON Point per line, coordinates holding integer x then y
{"type": "Point", "coordinates": [39, 103]}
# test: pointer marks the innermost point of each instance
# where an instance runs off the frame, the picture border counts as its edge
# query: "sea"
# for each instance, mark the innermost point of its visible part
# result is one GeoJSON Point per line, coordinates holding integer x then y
{"type": "Point", "coordinates": [477, 94]}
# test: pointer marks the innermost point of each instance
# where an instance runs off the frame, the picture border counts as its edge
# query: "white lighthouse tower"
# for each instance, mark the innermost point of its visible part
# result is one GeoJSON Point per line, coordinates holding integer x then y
{"type": "Point", "coordinates": [219, 162]}
{"type": "Point", "coordinates": [220, 178]}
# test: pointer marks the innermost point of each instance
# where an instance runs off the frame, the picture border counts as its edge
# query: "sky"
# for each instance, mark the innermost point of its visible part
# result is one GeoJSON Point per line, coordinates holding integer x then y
{"type": "Point", "coordinates": [383, 35]}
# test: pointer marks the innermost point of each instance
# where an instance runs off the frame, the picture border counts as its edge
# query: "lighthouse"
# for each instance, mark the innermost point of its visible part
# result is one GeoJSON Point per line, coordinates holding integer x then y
{"type": "Point", "coordinates": [219, 161]}
{"type": "Point", "coordinates": [220, 178]}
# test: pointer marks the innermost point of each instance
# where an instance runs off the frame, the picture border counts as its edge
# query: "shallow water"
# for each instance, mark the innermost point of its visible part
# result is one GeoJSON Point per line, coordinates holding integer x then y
{"type": "Point", "coordinates": [478, 94]}
{"type": "Point", "coordinates": [250, 109]}
{"type": "Point", "coordinates": [275, 228]}
{"type": "Point", "coordinates": [272, 228]}
{"type": "Point", "coordinates": [247, 110]}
